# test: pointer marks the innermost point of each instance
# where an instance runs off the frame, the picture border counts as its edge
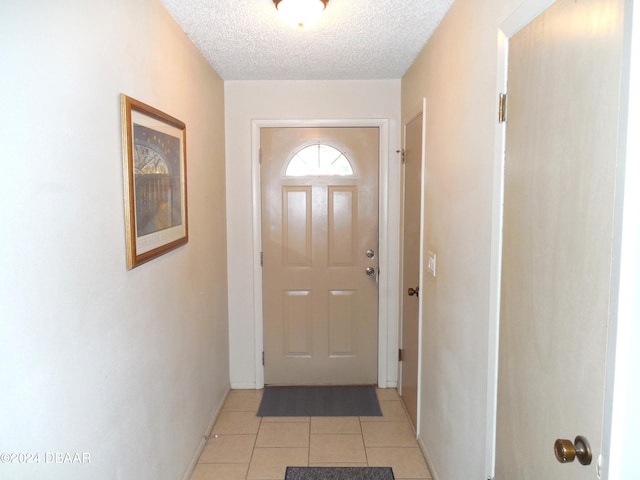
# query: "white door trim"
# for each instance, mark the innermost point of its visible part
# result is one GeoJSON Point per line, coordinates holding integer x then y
{"type": "Point", "coordinates": [384, 286]}
{"type": "Point", "coordinates": [512, 24]}
{"type": "Point", "coordinates": [621, 418]}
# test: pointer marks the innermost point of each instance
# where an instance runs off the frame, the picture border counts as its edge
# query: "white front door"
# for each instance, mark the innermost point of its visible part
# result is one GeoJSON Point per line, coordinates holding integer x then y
{"type": "Point", "coordinates": [320, 255]}
{"type": "Point", "coordinates": [564, 72]}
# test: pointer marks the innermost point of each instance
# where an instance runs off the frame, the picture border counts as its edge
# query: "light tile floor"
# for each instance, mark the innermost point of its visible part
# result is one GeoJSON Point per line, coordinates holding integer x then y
{"type": "Point", "coordinates": [244, 446]}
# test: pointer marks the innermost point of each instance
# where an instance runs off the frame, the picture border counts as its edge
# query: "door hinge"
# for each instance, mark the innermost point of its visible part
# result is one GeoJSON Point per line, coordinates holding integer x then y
{"type": "Point", "coordinates": [401, 152]}
{"type": "Point", "coordinates": [263, 359]}
{"type": "Point", "coordinates": [502, 108]}
{"type": "Point", "coordinates": [261, 259]}
{"type": "Point", "coordinates": [260, 156]}
{"type": "Point", "coordinates": [400, 352]}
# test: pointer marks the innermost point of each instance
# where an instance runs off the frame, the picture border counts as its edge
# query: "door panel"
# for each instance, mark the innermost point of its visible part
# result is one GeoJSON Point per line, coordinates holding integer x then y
{"type": "Point", "coordinates": [411, 263]}
{"type": "Point", "coordinates": [297, 325]}
{"type": "Point", "coordinates": [341, 322]}
{"type": "Point", "coordinates": [563, 85]}
{"type": "Point", "coordinates": [297, 226]}
{"type": "Point", "coordinates": [320, 307]}
{"type": "Point", "coordinates": [343, 214]}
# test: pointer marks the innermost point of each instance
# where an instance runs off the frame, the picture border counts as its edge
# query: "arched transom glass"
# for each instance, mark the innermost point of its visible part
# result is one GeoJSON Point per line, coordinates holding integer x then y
{"type": "Point", "coordinates": [318, 160]}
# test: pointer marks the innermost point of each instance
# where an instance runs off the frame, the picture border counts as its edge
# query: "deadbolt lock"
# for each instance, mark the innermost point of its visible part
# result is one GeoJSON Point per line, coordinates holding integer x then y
{"type": "Point", "coordinates": [370, 253]}
{"type": "Point", "coordinates": [566, 451]}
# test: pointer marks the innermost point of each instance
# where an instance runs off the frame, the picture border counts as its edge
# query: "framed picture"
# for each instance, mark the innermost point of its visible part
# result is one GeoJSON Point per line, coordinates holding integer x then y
{"type": "Point", "coordinates": [155, 181]}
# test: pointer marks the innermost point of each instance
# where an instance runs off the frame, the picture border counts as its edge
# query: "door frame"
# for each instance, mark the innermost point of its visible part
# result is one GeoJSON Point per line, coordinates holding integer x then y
{"type": "Point", "coordinates": [386, 342]}
{"type": "Point", "coordinates": [412, 115]}
{"type": "Point", "coordinates": [622, 388]}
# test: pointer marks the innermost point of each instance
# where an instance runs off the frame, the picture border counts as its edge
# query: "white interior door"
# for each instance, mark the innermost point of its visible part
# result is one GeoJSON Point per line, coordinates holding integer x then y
{"type": "Point", "coordinates": [411, 262]}
{"type": "Point", "coordinates": [320, 255]}
{"type": "Point", "coordinates": [561, 148]}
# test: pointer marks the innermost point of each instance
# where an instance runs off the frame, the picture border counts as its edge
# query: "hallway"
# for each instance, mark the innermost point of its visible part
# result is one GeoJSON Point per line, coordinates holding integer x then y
{"type": "Point", "coordinates": [245, 446]}
{"type": "Point", "coordinates": [130, 365]}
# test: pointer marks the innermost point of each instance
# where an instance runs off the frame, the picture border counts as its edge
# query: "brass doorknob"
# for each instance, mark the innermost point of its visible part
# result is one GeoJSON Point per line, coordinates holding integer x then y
{"type": "Point", "coordinates": [566, 451]}
{"type": "Point", "coordinates": [414, 291]}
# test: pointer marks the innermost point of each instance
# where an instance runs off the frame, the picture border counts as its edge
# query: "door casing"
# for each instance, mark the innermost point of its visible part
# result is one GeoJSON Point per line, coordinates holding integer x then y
{"type": "Point", "coordinates": [387, 341]}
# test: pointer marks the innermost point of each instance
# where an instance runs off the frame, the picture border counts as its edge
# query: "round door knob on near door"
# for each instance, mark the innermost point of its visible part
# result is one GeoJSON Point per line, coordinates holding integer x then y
{"type": "Point", "coordinates": [566, 451]}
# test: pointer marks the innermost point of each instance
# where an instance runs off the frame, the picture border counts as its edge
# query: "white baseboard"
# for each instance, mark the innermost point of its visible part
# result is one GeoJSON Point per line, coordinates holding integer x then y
{"type": "Point", "coordinates": [203, 441]}
{"type": "Point", "coordinates": [252, 386]}
{"type": "Point", "coordinates": [243, 386]}
{"type": "Point", "coordinates": [425, 453]}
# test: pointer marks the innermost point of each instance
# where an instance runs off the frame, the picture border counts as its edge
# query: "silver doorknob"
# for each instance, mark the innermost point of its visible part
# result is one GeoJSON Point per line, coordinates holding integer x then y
{"type": "Point", "coordinates": [370, 271]}
{"type": "Point", "coordinates": [414, 291]}
{"type": "Point", "coordinates": [370, 253]}
{"type": "Point", "coordinates": [566, 451]}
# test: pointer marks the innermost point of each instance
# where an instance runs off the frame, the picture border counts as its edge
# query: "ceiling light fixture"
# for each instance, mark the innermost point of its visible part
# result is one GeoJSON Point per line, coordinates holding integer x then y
{"type": "Point", "coordinates": [300, 12]}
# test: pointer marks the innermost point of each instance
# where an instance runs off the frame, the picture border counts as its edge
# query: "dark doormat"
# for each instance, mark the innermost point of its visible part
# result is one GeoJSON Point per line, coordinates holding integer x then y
{"type": "Point", "coordinates": [339, 473]}
{"type": "Point", "coordinates": [342, 401]}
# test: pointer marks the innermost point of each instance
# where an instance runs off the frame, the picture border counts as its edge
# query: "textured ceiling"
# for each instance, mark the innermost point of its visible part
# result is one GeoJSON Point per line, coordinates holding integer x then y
{"type": "Point", "coordinates": [354, 39]}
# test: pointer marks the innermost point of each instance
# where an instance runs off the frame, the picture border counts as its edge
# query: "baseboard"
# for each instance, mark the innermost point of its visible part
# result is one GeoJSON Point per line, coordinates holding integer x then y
{"type": "Point", "coordinates": [243, 386]}
{"type": "Point", "coordinates": [425, 453]}
{"type": "Point", "coordinates": [203, 441]}
{"type": "Point", "coordinates": [252, 386]}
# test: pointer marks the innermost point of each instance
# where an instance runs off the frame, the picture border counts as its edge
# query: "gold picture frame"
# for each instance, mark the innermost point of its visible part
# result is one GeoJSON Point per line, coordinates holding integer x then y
{"type": "Point", "coordinates": [155, 181]}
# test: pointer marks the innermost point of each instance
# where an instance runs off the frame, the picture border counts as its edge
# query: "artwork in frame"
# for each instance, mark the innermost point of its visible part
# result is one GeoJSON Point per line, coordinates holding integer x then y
{"type": "Point", "coordinates": [155, 181]}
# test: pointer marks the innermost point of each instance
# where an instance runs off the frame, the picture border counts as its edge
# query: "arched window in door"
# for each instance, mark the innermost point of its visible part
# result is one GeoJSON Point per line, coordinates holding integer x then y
{"type": "Point", "coordinates": [319, 160]}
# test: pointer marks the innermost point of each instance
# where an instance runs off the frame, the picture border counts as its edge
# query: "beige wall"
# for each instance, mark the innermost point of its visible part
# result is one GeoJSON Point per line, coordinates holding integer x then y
{"type": "Point", "coordinates": [247, 101]}
{"type": "Point", "coordinates": [456, 72]}
{"type": "Point", "coordinates": [128, 366]}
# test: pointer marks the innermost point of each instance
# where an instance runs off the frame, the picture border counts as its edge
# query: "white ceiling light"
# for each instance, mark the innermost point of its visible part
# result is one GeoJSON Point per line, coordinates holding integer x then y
{"type": "Point", "coordinates": [300, 12]}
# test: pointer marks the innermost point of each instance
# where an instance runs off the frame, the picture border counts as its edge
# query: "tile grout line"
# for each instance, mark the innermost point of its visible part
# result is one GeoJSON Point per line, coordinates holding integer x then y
{"type": "Point", "coordinates": [364, 445]}
{"type": "Point", "coordinates": [309, 444]}
{"type": "Point", "coordinates": [255, 442]}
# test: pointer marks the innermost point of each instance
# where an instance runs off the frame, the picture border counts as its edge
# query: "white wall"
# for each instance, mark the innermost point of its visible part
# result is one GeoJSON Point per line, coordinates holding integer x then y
{"type": "Point", "coordinates": [128, 366]}
{"type": "Point", "coordinates": [246, 101]}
